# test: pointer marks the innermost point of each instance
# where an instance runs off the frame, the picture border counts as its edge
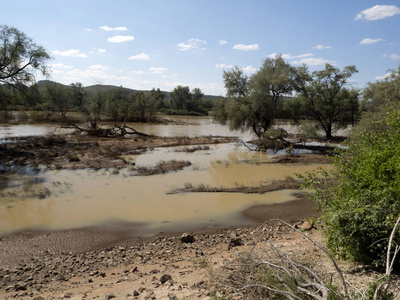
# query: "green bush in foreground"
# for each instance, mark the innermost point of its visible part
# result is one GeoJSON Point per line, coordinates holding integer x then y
{"type": "Point", "coordinates": [360, 198]}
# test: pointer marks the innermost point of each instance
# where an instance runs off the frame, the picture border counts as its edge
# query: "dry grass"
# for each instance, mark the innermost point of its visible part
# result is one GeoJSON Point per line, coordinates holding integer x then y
{"type": "Point", "coordinates": [297, 267]}
{"type": "Point", "coordinates": [161, 167]}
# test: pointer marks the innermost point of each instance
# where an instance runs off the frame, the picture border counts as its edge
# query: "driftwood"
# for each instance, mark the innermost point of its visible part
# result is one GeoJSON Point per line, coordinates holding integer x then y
{"type": "Point", "coordinates": [111, 131]}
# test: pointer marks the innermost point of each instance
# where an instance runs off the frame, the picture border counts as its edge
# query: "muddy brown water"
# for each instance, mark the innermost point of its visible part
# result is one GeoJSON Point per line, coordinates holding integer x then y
{"type": "Point", "coordinates": [55, 200]}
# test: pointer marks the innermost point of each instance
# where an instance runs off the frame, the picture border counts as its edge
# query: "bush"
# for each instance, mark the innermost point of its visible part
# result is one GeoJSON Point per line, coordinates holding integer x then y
{"type": "Point", "coordinates": [74, 158]}
{"type": "Point", "coordinates": [360, 199]}
{"type": "Point", "coordinates": [276, 133]}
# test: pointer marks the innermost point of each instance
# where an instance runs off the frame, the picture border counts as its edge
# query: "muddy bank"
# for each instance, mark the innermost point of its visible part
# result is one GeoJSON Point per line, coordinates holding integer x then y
{"type": "Point", "coordinates": [302, 208]}
{"type": "Point", "coordinates": [277, 185]}
{"type": "Point", "coordinates": [81, 152]}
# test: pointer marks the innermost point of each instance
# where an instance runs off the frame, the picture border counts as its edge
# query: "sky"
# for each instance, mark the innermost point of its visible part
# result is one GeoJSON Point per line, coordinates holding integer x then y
{"type": "Point", "coordinates": [145, 44]}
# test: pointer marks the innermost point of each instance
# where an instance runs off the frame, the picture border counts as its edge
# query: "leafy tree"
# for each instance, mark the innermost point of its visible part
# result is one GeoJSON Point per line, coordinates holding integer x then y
{"type": "Point", "coordinates": [184, 101]}
{"type": "Point", "coordinates": [324, 96]}
{"type": "Point", "coordinates": [254, 102]}
{"type": "Point", "coordinates": [19, 57]}
{"type": "Point", "coordinates": [60, 99]}
{"type": "Point", "coordinates": [119, 106]}
{"type": "Point", "coordinates": [195, 101]}
{"type": "Point", "coordinates": [155, 100]}
{"type": "Point", "coordinates": [360, 198]}
{"type": "Point", "coordinates": [180, 96]}
{"type": "Point", "coordinates": [236, 82]}
{"type": "Point", "coordinates": [141, 106]}
{"type": "Point", "coordinates": [382, 94]}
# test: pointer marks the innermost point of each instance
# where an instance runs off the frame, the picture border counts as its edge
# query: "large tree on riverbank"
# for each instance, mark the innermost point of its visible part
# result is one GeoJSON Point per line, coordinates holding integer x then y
{"type": "Point", "coordinates": [325, 97]}
{"type": "Point", "coordinates": [253, 102]}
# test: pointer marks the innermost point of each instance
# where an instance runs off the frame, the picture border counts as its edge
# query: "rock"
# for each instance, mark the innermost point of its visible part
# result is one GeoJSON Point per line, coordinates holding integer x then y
{"type": "Point", "coordinates": [110, 296]}
{"type": "Point", "coordinates": [235, 242]}
{"type": "Point", "coordinates": [172, 297]}
{"type": "Point", "coordinates": [135, 293]}
{"type": "Point", "coordinates": [306, 225]}
{"type": "Point", "coordinates": [20, 287]}
{"type": "Point", "coordinates": [165, 278]}
{"type": "Point", "coordinates": [187, 238]}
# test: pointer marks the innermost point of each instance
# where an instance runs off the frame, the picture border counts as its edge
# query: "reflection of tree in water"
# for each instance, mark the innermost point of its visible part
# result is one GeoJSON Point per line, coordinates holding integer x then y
{"type": "Point", "coordinates": [21, 183]}
{"type": "Point", "coordinates": [18, 176]}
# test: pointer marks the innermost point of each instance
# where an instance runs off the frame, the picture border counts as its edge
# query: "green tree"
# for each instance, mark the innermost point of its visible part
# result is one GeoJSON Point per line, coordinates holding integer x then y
{"type": "Point", "coordinates": [141, 106]}
{"type": "Point", "coordinates": [236, 82]}
{"type": "Point", "coordinates": [254, 102]}
{"type": "Point", "coordinates": [60, 99]}
{"type": "Point", "coordinates": [324, 96]}
{"type": "Point", "coordinates": [195, 102]}
{"type": "Point", "coordinates": [382, 94]}
{"type": "Point", "coordinates": [155, 100]}
{"type": "Point", "coordinates": [90, 104]}
{"type": "Point", "coordinates": [180, 96]}
{"type": "Point", "coordinates": [119, 106]}
{"type": "Point", "coordinates": [360, 198]}
{"type": "Point", "coordinates": [19, 57]}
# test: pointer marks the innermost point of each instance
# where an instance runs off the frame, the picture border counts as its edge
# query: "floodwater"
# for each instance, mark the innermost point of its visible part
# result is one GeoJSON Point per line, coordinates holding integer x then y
{"type": "Point", "coordinates": [68, 199]}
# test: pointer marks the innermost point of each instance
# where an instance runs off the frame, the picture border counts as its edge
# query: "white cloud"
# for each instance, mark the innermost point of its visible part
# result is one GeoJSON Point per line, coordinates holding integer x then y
{"type": "Point", "coordinates": [387, 75]}
{"type": "Point", "coordinates": [61, 66]}
{"type": "Point", "coordinates": [320, 47]}
{"type": "Point", "coordinates": [138, 72]}
{"type": "Point", "coordinates": [157, 70]}
{"type": "Point", "coordinates": [106, 28]}
{"type": "Point", "coordinates": [249, 69]}
{"type": "Point", "coordinates": [192, 44]}
{"type": "Point", "coordinates": [314, 61]}
{"type": "Point", "coordinates": [394, 56]}
{"type": "Point", "coordinates": [87, 29]}
{"type": "Point", "coordinates": [369, 41]}
{"type": "Point", "coordinates": [120, 38]}
{"type": "Point", "coordinates": [378, 12]}
{"type": "Point", "coordinates": [243, 47]}
{"type": "Point", "coordinates": [141, 56]}
{"type": "Point", "coordinates": [289, 56]}
{"type": "Point", "coordinates": [98, 67]}
{"type": "Point", "coordinates": [223, 42]}
{"type": "Point", "coordinates": [70, 53]}
{"type": "Point", "coordinates": [98, 50]}
{"type": "Point", "coordinates": [91, 76]}
{"type": "Point", "coordinates": [224, 66]}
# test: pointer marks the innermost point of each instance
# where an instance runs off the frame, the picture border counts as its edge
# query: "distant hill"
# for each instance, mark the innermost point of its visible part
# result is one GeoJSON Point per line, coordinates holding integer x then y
{"type": "Point", "coordinates": [105, 88]}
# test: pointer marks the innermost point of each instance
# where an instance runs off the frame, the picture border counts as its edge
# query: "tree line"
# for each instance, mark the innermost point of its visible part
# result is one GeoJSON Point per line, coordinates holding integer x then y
{"type": "Point", "coordinates": [255, 102]}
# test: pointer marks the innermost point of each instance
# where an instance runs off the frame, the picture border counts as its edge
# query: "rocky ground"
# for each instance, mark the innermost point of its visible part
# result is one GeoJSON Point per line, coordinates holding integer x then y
{"type": "Point", "coordinates": [164, 267]}
{"type": "Point", "coordinates": [177, 266]}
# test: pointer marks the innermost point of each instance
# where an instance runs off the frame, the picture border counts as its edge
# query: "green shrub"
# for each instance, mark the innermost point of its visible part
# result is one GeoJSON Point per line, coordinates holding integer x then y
{"type": "Point", "coordinates": [276, 133]}
{"type": "Point", "coordinates": [74, 158]}
{"type": "Point", "coordinates": [360, 198]}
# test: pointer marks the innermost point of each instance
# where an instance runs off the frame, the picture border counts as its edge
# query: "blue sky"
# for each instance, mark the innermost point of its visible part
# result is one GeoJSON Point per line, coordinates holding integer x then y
{"type": "Point", "coordinates": [143, 44]}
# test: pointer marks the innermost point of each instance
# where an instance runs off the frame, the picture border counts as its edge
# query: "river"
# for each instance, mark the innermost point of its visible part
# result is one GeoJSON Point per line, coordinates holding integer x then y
{"type": "Point", "coordinates": [54, 200]}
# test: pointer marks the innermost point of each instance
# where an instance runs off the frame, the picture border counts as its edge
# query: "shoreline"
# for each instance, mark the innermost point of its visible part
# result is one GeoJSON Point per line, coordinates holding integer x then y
{"type": "Point", "coordinates": [20, 247]}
